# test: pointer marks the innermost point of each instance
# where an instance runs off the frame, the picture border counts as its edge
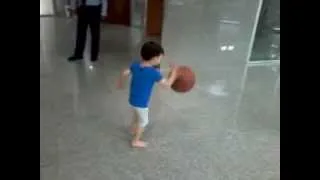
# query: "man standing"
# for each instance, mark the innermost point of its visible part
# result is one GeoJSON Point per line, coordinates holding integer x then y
{"type": "Point", "coordinates": [89, 13]}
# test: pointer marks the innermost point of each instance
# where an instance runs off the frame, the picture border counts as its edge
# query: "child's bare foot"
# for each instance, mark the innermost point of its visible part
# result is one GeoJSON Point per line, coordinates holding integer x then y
{"type": "Point", "coordinates": [139, 144]}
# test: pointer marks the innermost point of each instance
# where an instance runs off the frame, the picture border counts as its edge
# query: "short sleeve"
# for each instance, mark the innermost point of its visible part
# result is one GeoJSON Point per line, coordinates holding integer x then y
{"type": "Point", "coordinates": [132, 66]}
{"type": "Point", "coordinates": [158, 75]}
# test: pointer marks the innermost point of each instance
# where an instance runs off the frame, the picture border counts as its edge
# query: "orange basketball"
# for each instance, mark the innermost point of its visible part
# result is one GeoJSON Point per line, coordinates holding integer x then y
{"type": "Point", "coordinates": [185, 80]}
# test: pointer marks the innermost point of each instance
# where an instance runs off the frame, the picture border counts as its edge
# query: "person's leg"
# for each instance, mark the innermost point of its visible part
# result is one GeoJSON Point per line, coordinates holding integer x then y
{"type": "Point", "coordinates": [134, 123]}
{"type": "Point", "coordinates": [143, 114]}
{"type": "Point", "coordinates": [82, 25]}
{"type": "Point", "coordinates": [95, 20]}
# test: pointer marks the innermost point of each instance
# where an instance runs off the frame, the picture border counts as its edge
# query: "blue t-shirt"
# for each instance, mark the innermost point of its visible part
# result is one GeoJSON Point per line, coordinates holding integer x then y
{"type": "Point", "coordinates": [142, 81]}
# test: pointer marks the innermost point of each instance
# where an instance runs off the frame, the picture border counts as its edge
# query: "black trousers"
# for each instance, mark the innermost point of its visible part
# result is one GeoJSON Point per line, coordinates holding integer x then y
{"type": "Point", "coordinates": [88, 16]}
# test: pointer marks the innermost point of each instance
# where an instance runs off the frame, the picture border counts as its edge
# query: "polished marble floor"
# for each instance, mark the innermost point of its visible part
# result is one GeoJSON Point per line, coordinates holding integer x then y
{"type": "Point", "coordinates": [227, 128]}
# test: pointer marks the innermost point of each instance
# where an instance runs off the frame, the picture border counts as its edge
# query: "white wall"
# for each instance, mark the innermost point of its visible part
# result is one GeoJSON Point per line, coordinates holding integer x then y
{"type": "Point", "coordinates": [46, 7]}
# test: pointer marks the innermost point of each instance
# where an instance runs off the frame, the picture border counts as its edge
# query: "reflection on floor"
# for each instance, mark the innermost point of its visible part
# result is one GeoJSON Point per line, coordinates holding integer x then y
{"type": "Point", "coordinates": [227, 128]}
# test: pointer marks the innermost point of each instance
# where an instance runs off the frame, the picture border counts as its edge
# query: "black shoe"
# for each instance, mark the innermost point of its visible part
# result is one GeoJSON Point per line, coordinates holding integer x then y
{"type": "Point", "coordinates": [94, 59]}
{"type": "Point", "coordinates": [75, 58]}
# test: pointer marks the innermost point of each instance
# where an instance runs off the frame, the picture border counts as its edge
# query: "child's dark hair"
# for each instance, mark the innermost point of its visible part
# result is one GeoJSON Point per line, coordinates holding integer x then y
{"type": "Point", "coordinates": [150, 50]}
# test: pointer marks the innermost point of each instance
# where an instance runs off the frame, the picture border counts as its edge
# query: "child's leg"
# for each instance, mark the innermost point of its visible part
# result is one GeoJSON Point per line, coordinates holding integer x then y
{"type": "Point", "coordinates": [142, 123]}
{"type": "Point", "coordinates": [134, 123]}
{"type": "Point", "coordinates": [136, 142]}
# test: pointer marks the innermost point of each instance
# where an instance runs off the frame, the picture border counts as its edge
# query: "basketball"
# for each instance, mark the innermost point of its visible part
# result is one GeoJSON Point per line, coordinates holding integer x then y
{"type": "Point", "coordinates": [185, 80]}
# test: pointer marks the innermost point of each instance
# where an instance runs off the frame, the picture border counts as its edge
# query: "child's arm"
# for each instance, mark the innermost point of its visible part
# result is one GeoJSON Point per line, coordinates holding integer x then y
{"type": "Point", "coordinates": [123, 76]}
{"type": "Point", "coordinates": [167, 82]}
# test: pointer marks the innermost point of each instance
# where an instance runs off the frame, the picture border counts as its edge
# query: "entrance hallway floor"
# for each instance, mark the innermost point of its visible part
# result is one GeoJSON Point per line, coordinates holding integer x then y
{"type": "Point", "coordinates": [227, 128]}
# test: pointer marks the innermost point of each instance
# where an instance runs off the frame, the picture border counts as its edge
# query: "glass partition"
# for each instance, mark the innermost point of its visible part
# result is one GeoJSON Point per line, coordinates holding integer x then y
{"type": "Point", "coordinates": [266, 45]}
{"type": "Point", "coordinates": [138, 8]}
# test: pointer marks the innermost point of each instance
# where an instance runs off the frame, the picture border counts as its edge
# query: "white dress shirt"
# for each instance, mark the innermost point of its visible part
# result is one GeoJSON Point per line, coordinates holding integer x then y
{"type": "Point", "coordinates": [76, 3]}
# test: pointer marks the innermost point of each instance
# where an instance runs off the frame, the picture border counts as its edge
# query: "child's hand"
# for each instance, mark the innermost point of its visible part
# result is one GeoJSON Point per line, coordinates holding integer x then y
{"type": "Point", "coordinates": [173, 68]}
{"type": "Point", "coordinates": [172, 65]}
{"type": "Point", "coordinates": [119, 85]}
{"type": "Point", "coordinates": [124, 74]}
